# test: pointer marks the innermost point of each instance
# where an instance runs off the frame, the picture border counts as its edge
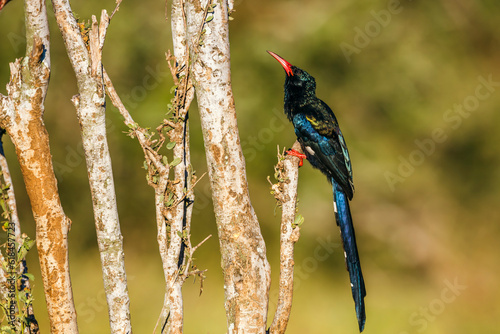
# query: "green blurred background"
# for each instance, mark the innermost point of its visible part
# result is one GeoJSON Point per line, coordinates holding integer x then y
{"type": "Point", "coordinates": [426, 174]}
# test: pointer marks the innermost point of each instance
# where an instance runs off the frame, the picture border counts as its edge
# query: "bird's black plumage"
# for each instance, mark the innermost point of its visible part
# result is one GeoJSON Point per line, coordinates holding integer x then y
{"type": "Point", "coordinates": [318, 132]}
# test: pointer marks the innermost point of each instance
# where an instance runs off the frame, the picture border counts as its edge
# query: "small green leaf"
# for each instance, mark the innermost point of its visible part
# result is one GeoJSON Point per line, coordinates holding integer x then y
{"type": "Point", "coordinates": [22, 254]}
{"type": "Point", "coordinates": [31, 277]}
{"type": "Point", "coordinates": [175, 162]}
{"type": "Point", "coordinates": [165, 160]}
{"type": "Point", "coordinates": [170, 145]}
{"type": "Point", "coordinates": [210, 8]}
{"type": "Point", "coordinates": [209, 18]}
{"type": "Point", "coordinates": [28, 244]}
{"type": "Point", "coordinates": [169, 203]}
{"type": "Point", "coordinates": [298, 220]}
{"type": "Point", "coordinates": [2, 204]}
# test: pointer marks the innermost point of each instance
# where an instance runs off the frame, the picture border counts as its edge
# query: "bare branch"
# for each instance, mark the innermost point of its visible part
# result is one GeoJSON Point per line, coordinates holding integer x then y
{"type": "Point", "coordinates": [90, 107]}
{"type": "Point", "coordinates": [285, 192]}
{"type": "Point", "coordinates": [95, 52]}
{"type": "Point", "coordinates": [117, 102]}
{"type": "Point", "coordinates": [151, 155]}
{"type": "Point", "coordinates": [97, 35]}
{"type": "Point", "coordinates": [117, 8]}
{"type": "Point", "coordinates": [199, 244]}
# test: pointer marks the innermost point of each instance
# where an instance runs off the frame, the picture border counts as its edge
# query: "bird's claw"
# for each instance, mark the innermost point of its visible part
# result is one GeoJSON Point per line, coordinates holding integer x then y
{"type": "Point", "coordinates": [297, 154]}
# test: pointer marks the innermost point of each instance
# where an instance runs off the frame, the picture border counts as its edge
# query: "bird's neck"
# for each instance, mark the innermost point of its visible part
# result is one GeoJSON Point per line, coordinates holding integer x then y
{"type": "Point", "coordinates": [296, 99]}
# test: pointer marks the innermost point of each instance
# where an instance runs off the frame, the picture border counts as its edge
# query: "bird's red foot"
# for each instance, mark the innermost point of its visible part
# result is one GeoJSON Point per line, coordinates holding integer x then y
{"type": "Point", "coordinates": [299, 155]}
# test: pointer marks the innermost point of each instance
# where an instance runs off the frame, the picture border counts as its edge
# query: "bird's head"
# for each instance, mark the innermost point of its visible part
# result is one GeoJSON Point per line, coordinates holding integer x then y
{"type": "Point", "coordinates": [296, 78]}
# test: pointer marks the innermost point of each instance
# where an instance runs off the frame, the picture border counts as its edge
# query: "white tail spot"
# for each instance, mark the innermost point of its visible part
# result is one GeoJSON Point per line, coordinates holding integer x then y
{"type": "Point", "coordinates": [335, 207]}
{"type": "Point", "coordinates": [310, 150]}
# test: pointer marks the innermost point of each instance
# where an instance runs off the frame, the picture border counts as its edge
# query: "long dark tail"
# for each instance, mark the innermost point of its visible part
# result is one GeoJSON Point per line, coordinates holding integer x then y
{"type": "Point", "coordinates": [344, 221]}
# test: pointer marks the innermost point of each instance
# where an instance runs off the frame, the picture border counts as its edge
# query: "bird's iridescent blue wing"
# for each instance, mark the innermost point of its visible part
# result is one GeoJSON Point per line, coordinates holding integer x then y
{"type": "Point", "coordinates": [325, 148]}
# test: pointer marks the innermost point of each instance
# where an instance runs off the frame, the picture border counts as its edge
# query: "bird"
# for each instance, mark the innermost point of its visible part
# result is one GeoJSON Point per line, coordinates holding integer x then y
{"type": "Point", "coordinates": [323, 144]}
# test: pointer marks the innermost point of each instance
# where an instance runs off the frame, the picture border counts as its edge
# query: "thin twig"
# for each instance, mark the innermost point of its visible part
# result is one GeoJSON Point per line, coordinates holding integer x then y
{"type": "Point", "coordinates": [200, 243]}
{"type": "Point", "coordinates": [117, 102]}
{"type": "Point", "coordinates": [191, 187]}
{"type": "Point", "coordinates": [117, 8]}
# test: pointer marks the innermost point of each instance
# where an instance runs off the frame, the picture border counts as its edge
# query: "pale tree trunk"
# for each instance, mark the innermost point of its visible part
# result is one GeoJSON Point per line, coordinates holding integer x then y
{"type": "Point", "coordinates": [244, 263]}
{"type": "Point", "coordinates": [22, 116]}
{"type": "Point", "coordinates": [90, 107]}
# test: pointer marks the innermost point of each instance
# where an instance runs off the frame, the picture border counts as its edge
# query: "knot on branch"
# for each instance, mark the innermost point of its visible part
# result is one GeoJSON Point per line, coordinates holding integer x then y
{"type": "Point", "coordinates": [294, 237]}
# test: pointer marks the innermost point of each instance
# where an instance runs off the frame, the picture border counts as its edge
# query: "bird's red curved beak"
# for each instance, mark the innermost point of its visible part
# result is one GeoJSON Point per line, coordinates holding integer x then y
{"type": "Point", "coordinates": [286, 65]}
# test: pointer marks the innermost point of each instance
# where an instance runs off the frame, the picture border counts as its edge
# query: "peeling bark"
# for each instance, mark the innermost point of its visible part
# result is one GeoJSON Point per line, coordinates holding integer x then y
{"type": "Point", "coordinates": [22, 116]}
{"type": "Point", "coordinates": [244, 263]}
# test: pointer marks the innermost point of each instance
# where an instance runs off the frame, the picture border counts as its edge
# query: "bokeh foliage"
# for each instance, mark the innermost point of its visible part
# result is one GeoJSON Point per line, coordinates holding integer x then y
{"type": "Point", "coordinates": [436, 226]}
